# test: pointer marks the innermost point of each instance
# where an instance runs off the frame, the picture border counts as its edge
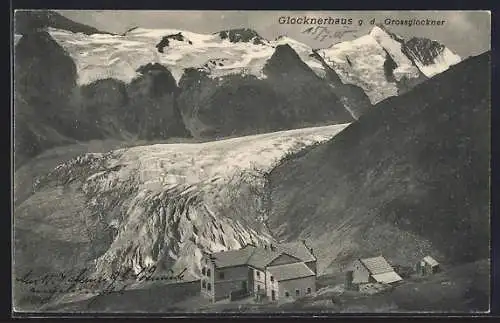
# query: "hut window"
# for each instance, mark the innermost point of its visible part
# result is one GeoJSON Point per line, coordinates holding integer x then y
{"type": "Point", "coordinates": [203, 284]}
{"type": "Point", "coordinates": [297, 292]}
{"type": "Point", "coordinates": [209, 287]}
{"type": "Point", "coordinates": [287, 294]}
{"type": "Point", "coordinates": [309, 290]}
{"type": "Point", "coordinates": [208, 272]}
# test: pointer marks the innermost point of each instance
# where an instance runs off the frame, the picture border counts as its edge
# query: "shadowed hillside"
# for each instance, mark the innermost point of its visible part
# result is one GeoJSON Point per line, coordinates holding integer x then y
{"type": "Point", "coordinates": [411, 177]}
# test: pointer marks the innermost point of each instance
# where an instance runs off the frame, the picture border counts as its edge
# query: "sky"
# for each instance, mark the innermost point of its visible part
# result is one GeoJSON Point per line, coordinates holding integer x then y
{"type": "Point", "coordinates": [467, 33]}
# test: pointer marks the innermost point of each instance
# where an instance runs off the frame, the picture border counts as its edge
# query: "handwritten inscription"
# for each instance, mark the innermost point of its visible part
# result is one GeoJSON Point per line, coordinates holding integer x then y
{"type": "Point", "coordinates": [322, 33]}
{"type": "Point", "coordinates": [48, 285]}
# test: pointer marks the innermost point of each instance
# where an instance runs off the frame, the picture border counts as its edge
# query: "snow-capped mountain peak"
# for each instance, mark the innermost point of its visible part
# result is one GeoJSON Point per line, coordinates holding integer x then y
{"type": "Point", "coordinates": [428, 55]}
{"type": "Point", "coordinates": [384, 64]}
{"type": "Point", "coordinates": [394, 47]}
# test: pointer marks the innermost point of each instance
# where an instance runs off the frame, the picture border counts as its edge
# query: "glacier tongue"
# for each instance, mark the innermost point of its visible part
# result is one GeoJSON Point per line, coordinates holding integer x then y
{"type": "Point", "coordinates": [168, 203]}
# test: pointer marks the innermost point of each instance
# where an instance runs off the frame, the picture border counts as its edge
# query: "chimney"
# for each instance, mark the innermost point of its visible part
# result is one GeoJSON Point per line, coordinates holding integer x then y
{"type": "Point", "coordinates": [348, 279]}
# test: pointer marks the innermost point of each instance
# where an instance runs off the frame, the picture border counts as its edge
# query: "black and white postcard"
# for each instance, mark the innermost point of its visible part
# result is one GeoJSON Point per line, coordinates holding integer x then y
{"type": "Point", "coordinates": [254, 162]}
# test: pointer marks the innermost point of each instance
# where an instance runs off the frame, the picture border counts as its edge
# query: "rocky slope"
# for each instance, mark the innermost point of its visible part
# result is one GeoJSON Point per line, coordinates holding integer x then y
{"type": "Point", "coordinates": [409, 178]}
{"type": "Point", "coordinates": [150, 205]}
{"type": "Point", "coordinates": [430, 56]}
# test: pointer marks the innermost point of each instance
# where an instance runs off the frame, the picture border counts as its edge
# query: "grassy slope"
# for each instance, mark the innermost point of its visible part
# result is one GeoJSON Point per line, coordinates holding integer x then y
{"type": "Point", "coordinates": [408, 179]}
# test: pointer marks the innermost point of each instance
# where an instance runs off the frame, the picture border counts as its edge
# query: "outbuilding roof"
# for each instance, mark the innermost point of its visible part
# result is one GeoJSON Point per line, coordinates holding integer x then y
{"type": "Point", "coordinates": [377, 265]}
{"type": "Point", "coordinates": [388, 277]}
{"type": "Point", "coordinates": [290, 271]}
{"type": "Point", "coordinates": [431, 261]}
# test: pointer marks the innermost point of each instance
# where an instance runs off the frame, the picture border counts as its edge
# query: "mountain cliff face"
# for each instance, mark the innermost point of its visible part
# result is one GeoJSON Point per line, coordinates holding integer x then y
{"type": "Point", "coordinates": [45, 76]}
{"type": "Point", "coordinates": [352, 97]}
{"type": "Point", "coordinates": [290, 96]}
{"type": "Point", "coordinates": [48, 95]}
{"type": "Point", "coordinates": [158, 205]}
{"type": "Point", "coordinates": [409, 178]}
{"type": "Point", "coordinates": [430, 56]}
{"type": "Point", "coordinates": [242, 35]}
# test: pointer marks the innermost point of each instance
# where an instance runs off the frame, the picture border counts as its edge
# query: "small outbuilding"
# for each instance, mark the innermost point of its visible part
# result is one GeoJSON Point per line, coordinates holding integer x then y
{"type": "Point", "coordinates": [427, 266]}
{"type": "Point", "coordinates": [373, 270]}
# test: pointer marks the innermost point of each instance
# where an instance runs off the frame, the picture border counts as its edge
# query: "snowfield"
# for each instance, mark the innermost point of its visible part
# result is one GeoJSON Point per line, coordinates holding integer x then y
{"type": "Point", "coordinates": [167, 165]}
{"type": "Point", "coordinates": [119, 56]}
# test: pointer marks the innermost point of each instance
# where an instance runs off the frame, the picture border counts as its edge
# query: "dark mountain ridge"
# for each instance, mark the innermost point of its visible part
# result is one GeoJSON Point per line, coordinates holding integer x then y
{"type": "Point", "coordinates": [291, 96]}
{"type": "Point", "coordinates": [412, 173]}
{"type": "Point", "coordinates": [27, 21]}
{"type": "Point", "coordinates": [353, 97]}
